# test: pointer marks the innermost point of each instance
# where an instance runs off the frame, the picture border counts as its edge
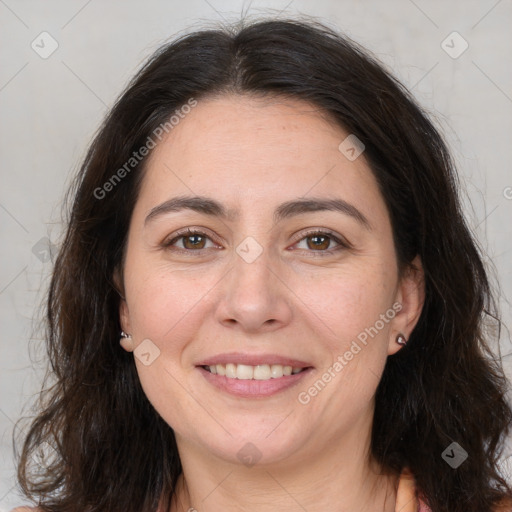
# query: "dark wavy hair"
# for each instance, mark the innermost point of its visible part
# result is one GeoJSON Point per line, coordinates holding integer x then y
{"type": "Point", "coordinates": [110, 449]}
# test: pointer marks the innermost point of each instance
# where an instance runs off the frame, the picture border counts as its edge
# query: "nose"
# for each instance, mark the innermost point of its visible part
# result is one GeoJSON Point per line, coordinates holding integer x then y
{"type": "Point", "coordinates": [254, 296]}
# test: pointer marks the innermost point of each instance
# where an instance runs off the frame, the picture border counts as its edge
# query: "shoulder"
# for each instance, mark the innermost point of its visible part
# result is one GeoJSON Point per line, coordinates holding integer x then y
{"type": "Point", "coordinates": [504, 506]}
{"type": "Point", "coordinates": [409, 497]}
{"type": "Point", "coordinates": [26, 509]}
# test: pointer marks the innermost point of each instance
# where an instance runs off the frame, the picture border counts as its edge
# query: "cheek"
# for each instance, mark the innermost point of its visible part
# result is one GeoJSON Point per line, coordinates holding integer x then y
{"type": "Point", "coordinates": [163, 300]}
{"type": "Point", "coordinates": [169, 394]}
{"type": "Point", "coordinates": [347, 302]}
{"type": "Point", "coordinates": [353, 339]}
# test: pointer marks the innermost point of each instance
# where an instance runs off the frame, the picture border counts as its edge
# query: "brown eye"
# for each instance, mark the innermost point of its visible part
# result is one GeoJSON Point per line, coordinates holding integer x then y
{"type": "Point", "coordinates": [318, 242]}
{"type": "Point", "coordinates": [191, 241]}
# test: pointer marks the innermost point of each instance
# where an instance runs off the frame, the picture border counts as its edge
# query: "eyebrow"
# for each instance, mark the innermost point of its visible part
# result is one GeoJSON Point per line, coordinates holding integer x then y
{"type": "Point", "coordinates": [211, 207]}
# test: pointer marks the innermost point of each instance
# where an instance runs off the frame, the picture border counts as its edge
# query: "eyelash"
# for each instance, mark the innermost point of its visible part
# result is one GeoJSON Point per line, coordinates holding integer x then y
{"type": "Point", "coordinates": [342, 244]}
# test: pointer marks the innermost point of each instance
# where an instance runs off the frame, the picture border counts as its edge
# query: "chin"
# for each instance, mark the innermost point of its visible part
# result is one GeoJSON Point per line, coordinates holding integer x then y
{"type": "Point", "coordinates": [248, 447]}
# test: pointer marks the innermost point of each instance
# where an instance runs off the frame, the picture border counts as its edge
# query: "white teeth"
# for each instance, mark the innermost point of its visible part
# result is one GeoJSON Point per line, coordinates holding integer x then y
{"type": "Point", "coordinates": [262, 372]}
{"type": "Point", "coordinates": [276, 371]}
{"type": "Point", "coordinates": [231, 370]}
{"type": "Point", "coordinates": [259, 372]}
{"type": "Point", "coordinates": [244, 372]}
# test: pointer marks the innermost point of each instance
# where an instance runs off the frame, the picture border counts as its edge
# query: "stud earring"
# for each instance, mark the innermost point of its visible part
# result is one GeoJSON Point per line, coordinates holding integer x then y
{"type": "Point", "coordinates": [400, 339]}
{"type": "Point", "coordinates": [126, 341]}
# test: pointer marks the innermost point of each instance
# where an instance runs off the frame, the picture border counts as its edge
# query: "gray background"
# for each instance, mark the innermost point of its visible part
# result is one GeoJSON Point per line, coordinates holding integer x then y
{"type": "Point", "coordinates": [50, 108]}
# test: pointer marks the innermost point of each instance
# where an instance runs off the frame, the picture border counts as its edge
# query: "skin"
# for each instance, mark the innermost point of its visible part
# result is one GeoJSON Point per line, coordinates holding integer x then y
{"type": "Point", "coordinates": [251, 155]}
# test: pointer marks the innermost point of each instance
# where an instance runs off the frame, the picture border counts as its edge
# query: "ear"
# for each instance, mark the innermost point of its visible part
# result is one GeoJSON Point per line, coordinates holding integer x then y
{"type": "Point", "coordinates": [411, 296]}
{"type": "Point", "coordinates": [124, 314]}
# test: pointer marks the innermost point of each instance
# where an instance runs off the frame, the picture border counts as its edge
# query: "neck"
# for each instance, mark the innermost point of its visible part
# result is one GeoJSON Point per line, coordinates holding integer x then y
{"type": "Point", "coordinates": [340, 477]}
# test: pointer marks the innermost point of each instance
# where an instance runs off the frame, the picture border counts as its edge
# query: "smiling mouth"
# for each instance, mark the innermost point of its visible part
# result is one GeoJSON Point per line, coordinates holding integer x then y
{"type": "Point", "coordinates": [248, 372]}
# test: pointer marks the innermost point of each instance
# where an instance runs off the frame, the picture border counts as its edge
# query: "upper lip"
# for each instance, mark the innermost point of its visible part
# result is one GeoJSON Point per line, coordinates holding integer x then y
{"type": "Point", "coordinates": [253, 360]}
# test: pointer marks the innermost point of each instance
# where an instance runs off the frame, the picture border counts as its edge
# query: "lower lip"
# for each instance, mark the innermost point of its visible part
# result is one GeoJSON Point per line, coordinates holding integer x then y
{"type": "Point", "coordinates": [253, 388]}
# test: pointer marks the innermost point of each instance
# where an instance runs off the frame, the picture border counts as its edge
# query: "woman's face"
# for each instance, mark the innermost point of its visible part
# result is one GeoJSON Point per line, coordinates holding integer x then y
{"type": "Point", "coordinates": [293, 265]}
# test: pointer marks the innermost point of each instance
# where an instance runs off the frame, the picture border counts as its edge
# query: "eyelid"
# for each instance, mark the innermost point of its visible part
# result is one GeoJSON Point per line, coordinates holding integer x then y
{"type": "Point", "coordinates": [204, 232]}
{"type": "Point", "coordinates": [339, 239]}
{"type": "Point", "coordinates": [190, 231]}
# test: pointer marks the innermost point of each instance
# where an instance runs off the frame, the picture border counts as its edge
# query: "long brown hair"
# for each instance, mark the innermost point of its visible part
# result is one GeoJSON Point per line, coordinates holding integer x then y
{"type": "Point", "coordinates": [110, 448]}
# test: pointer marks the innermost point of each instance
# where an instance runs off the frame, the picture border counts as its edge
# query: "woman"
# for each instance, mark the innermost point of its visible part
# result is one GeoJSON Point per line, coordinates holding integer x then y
{"type": "Point", "coordinates": [267, 297]}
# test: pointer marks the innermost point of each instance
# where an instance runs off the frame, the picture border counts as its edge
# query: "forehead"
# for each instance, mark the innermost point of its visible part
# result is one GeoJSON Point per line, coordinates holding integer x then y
{"type": "Point", "coordinates": [240, 126]}
{"type": "Point", "coordinates": [247, 149]}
